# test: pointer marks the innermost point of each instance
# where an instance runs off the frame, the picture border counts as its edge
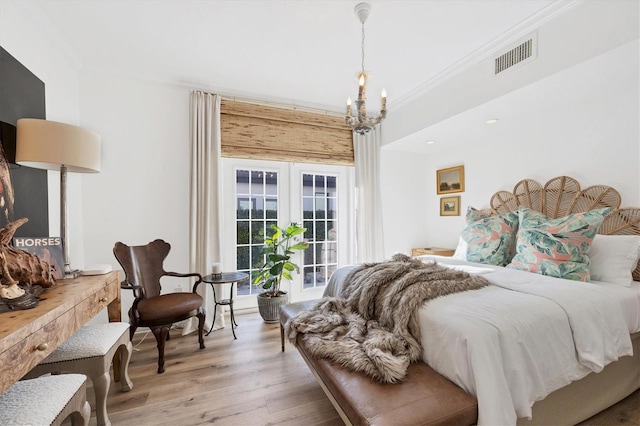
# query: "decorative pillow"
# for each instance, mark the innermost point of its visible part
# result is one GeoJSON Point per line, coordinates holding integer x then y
{"type": "Point", "coordinates": [556, 247]}
{"type": "Point", "coordinates": [614, 258]}
{"type": "Point", "coordinates": [461, 250]}
{"type": "Point", "coordinates": [488, 239]}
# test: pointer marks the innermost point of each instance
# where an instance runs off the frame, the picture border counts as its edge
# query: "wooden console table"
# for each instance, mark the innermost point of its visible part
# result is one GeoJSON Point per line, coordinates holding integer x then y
{"type": "Point", "coordinates": [28, 336]}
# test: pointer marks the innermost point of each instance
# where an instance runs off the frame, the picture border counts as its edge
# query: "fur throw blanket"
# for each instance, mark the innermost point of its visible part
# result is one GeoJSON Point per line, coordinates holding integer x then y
{"type": "Point", "coordinates": [373, 326]}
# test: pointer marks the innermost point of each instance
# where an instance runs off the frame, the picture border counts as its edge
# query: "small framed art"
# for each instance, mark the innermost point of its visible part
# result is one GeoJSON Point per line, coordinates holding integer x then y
{"type": "Point", "coordinates": [450, 180]}
{"type": "Point", "coordinates": [450, 206]}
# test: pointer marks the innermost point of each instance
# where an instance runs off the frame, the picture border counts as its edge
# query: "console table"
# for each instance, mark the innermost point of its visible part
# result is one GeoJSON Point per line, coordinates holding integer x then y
{"type": "Point", "coordinates": [28, 336]}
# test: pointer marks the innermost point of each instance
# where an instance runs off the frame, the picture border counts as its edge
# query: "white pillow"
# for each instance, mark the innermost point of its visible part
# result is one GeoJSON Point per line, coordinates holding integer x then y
{"type": "Point", "coordinates": [461, 250]}
{"type": "Point", "coordinates": [614, 258]}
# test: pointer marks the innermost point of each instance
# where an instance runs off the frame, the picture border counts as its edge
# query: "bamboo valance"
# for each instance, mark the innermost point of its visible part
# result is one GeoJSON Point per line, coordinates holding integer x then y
{"type": "Point", "coordinates": [270, 133]}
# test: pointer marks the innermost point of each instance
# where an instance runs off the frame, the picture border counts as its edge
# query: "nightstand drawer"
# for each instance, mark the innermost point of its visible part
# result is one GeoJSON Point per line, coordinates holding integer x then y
{"type": "Point", "coordinates": [432, 250]}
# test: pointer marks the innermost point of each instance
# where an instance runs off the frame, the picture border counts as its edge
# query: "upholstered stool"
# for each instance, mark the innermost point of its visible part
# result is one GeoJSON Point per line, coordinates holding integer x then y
{"type": "Point", "coordinates": [46, 401]}
{"type": "Point", "coordinates": [90, 351]}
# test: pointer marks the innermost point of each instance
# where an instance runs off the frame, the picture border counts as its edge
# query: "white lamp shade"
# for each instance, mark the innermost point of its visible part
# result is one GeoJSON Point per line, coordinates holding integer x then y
{"type": "Point", "coordinates": [44, 144]}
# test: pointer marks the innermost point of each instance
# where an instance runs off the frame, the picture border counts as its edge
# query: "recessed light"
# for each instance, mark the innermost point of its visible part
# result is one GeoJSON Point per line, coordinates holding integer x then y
{"type": "Point", "coordinates": [491, 121]}
{"type": "Point", "coordinates": [430, 142]}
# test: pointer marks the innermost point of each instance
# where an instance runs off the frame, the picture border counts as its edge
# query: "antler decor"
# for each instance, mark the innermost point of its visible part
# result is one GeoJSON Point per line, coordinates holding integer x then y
{"type": "Point", "coordinates": [23, 275]}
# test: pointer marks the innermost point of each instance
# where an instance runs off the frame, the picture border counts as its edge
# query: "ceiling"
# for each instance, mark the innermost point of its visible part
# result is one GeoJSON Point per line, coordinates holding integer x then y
{"type": "Point", "coordinates": [304, 53]}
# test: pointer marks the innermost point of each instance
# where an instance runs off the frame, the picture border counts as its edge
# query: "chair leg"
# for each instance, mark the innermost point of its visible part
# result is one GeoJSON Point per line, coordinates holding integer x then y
{"type": "Point", "coordinates": [101, 386]}
{"type": "Point", "coordinates": [133, 326]}
{"type": "Point", "coordinates": [282, 336]}
{"type": "Point", "coordinates": [201, 317]}
{"type": "Point", "coordinates": [125, 356]}
{"type": "Point", "coordinates": [161, 337]}
{"type": "Point", "coordinates": [81, 418]}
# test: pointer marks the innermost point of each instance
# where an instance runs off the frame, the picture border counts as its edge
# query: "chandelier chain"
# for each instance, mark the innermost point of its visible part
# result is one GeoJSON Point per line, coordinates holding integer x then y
{"type": "Point", "coordinates": [360, 122]}
{"type": "Point", "coordinates": [362, 47]}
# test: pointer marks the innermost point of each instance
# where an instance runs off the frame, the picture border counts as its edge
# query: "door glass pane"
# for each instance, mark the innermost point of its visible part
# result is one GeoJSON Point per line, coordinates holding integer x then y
{"type": "Point", "coordinates": [257, 201]}
{"type": "Point", "coordinates": [242, 230]}
{"type": "Point", "coordinates": [319, 206]}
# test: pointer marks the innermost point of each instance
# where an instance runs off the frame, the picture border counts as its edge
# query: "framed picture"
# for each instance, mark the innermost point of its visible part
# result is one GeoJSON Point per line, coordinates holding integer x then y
{"type": "Point", "coordinates": [450, 180]}
{"type": "Point", "coordinates": [48, 249]}
{"type": "Point", "coordinates": [450, 206]}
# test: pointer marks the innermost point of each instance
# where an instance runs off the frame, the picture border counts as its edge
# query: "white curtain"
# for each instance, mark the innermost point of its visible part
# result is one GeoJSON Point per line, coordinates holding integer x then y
{"type": "Point", "coordinates": [369, 236]}
{"type": "Point", "coordinates": [205, 197]}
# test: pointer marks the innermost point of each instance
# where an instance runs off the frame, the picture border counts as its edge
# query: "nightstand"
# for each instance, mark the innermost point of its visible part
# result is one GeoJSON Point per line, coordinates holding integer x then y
{"type": "Point", "coordinates": [439, 251]}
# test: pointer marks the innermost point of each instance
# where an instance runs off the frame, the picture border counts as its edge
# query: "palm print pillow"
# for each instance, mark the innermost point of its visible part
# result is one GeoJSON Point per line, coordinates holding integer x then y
{"type": "Point", "coordinates": [556, 247]}
{"type": "Point", "coordinates": [490, 239]}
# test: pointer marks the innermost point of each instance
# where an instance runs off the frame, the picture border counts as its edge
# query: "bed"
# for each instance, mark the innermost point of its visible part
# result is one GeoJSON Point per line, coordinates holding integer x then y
{"type": "Point", "coordinates": [534, 348]}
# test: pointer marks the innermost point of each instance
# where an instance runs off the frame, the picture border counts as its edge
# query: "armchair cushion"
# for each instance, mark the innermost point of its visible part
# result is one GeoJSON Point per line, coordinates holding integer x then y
{"type": "Point", "coordinates": [170, 305]}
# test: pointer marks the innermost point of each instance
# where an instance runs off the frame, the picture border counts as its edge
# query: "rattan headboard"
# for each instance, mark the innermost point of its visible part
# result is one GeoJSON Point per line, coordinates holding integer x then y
{"type": "Point", "coordinates": [562, 196]}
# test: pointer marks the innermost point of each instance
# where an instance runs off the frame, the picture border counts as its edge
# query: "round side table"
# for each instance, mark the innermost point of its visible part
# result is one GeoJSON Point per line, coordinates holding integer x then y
{"type": "Point", "coordinates": [224, 278]}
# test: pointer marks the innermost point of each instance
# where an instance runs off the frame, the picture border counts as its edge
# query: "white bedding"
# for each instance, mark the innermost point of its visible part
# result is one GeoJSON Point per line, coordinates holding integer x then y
{"type": "Point", "coordinates": [513, 343]}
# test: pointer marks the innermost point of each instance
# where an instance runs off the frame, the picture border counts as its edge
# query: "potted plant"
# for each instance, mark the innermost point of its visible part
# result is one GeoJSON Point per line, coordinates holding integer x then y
{"type": "Point", "coordinates": [278, 249]}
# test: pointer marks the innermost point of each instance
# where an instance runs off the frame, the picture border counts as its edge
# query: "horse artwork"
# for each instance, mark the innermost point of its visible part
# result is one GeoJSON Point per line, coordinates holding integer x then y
{"type": "Point", "coordinates": [23, 275]}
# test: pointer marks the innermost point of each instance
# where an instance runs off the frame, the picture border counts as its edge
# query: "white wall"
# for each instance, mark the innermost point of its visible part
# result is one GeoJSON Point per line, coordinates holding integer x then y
{"type": "Point", "coordinates": [29, 37]}
{"type": "Point", "coordinates": [550, 128]}
{"type": "Point", "coordinates": [142, 192]}
{"type": "Point", "coordinates": [404, 183]}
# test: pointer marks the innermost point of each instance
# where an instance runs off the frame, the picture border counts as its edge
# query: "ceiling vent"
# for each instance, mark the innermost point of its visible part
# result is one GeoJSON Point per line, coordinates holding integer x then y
{"type": "Point", "coordinates": [523, 52]}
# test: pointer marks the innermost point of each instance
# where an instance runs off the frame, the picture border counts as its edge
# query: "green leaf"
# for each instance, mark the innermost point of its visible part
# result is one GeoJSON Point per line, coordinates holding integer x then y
{"type": "Point", "coordinates": [295, 231]}
{"type": "Point", "coordinates": [286, 275]}
{"type": "Point", "coordinates": [278, 257]}
{"type": "Point", "coordinates": [276, 269]}
{"type": "Point", "coordinates": [299, 246]}
{"type": "Point", "coordinates": [289, 266]}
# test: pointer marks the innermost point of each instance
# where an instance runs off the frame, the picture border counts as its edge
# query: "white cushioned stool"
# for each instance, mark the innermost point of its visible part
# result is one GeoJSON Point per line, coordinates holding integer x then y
{"type": "Point", "coordinates": [46, 401]}
{"type": "Point", "coordinates": [90, 351]}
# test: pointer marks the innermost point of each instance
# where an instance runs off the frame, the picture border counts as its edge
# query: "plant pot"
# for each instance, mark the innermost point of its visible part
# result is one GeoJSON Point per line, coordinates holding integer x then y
{"type": "Point", "coordinates": [269, 307]}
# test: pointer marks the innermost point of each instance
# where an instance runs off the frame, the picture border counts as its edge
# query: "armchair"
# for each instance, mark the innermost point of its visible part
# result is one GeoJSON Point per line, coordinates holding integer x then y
{"type": "Point", "coordinates": [143, 268]}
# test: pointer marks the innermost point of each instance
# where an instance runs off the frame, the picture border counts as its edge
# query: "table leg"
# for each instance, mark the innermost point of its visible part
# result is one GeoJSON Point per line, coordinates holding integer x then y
{"type": "Point", "coordinates": [114, 313]}
{"type": "Point", "coordinates": [215, 310]}
{"type": "Point", "coordinates": [231, 316]}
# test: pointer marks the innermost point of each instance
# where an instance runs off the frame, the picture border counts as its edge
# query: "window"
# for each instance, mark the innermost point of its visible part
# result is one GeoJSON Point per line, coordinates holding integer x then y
{"type": "Point", "coordinates": [259, 193]}
{"type": "Point", "coordinates": [257, 210]}
{"type": "Point", "coordinates": [319, 206]}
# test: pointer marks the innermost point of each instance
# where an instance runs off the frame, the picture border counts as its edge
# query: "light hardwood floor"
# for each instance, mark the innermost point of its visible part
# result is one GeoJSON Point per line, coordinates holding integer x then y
{"type": "Point", "coordinates": [244, 382]}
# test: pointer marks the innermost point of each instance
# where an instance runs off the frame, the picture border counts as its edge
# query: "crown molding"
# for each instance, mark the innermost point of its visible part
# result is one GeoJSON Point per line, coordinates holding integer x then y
{"type": "Point", "coordinates": [507, 38]}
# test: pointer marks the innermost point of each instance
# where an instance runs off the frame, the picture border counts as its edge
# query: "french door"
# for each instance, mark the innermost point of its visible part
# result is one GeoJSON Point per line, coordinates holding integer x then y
{"type": "Point", "coordinates": [258, 194]}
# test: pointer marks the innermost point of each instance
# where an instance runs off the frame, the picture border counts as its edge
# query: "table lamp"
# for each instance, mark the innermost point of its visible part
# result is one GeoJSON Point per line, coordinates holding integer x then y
{"type": "Point", "coordinates": [50, 145]}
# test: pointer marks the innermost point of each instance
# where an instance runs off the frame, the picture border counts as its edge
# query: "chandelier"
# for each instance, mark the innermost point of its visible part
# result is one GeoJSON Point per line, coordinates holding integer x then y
{"type": "Point", "coordinates": [359, 122]}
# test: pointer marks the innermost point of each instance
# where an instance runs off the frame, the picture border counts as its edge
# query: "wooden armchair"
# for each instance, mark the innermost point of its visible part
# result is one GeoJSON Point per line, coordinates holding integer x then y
{"type": "Point", "coordinates": [143, 268]}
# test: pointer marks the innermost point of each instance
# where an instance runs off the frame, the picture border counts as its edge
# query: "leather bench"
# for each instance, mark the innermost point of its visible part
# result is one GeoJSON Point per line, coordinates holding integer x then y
{"type": "Point", "coordinates": [425, 397]}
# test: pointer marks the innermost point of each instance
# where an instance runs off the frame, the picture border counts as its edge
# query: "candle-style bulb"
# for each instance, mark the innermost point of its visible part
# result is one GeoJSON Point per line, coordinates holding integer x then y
{"type": "Point", "coordinates": [349, 101]}
{"type": "Point", "coordinates": [361, 80]}
{"type": "Point", "coordinates": [384, 93]}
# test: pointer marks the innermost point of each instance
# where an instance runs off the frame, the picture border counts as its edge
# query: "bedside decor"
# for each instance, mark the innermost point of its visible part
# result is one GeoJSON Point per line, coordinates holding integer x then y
{"type": "Point", "coordinates": [450, 206]}
{"type": "Point", "coordinates": [450, 180]}
{"type": "Point", "coordinates": [50, 145]}
{"type": "Point", "coordinates": [437, 251]}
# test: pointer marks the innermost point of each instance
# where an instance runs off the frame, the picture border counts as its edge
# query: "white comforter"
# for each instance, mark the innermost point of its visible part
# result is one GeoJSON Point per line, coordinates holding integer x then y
{"type": "Point", "coordinates": [515, 342]}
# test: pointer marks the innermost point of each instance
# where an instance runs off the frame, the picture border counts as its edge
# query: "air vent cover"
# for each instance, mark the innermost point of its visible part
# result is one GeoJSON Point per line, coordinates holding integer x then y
{"type": "Point", "coordinates": [522, 52]}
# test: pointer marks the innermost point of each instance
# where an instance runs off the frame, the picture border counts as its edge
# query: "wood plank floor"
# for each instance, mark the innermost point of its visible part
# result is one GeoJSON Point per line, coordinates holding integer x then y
{"type": "Point", "coordinates": [248, 381]}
